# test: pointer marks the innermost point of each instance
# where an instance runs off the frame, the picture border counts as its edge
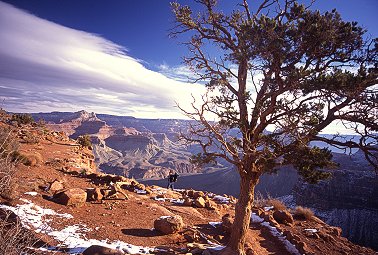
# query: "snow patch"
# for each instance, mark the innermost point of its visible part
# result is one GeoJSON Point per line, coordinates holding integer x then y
{"type": "Point", "coordinates": [221, 199]}
{"type": "Point", "coordinates": [71, 237]}
{"type": "Point", "coordinates": [31, 193]}
{"type": "Point", "coordinates": [289, 246]}
{"type": "Point", "coordinates": [140, 191]}
{"type": "Point", "coordinates": [311, 230]}
{"type": "Point", "coordinates": [177, 201]}
{"type": "Point", "coordinates": [215, 224]}
{"type": "Point", "coordinates": [268, 208]}
{"type": "Point", "coordinates": [256, 218]}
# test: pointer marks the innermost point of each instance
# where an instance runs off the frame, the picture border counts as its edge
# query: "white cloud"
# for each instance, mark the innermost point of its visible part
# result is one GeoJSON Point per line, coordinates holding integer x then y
{"type": "Point", "coordinates": [45, 66]}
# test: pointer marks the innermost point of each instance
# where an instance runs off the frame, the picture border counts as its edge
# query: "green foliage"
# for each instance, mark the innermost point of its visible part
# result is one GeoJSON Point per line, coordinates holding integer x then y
{"type": "Point", "coordinates": [22, 119]}
{"type": "Point", "coordinates": [308, 70]}
{"type": "Point", "coordinates": [309, 160]}
{"type": "Point", "coordinates": [84, 140]}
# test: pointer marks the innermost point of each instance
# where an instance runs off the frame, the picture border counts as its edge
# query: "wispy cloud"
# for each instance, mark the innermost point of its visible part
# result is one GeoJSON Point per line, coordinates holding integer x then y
{"type": "Point", "coordinates": [45, 66]}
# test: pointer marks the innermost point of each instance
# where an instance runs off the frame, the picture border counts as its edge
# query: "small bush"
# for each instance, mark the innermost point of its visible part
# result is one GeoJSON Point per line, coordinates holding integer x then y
{"type": "Point", "coordinates": [15, 239]}
{"type": "Point", "coordinates": [8, 157]}
{"type": "Point", "coordinates": [303, 213]}
{"type": "Point", "coordinates": [30, 159]}
{"type": "Point", "coordinates": [85, 141]}
{"type": "Point", "coordinates": [22, 119]}
{"type": "Point", "coordinates": [30, 138]}
{"type": "Point", "coordinates": [277, 204]}
{"type": "Point", "coordinates": [260, 200]}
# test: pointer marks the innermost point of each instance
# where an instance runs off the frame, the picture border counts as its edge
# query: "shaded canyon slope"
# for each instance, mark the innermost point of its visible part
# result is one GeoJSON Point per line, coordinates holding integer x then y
{"type": "Point", "coordinates": [348, 200]}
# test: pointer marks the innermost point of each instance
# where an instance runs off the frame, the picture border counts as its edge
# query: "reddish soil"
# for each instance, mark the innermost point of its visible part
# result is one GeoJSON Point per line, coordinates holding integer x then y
{"type": "Point", "coordinates": [132, 220]}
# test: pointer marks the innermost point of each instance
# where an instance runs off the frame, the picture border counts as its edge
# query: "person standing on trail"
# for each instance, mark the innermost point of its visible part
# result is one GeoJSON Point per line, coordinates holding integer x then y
{"type": "Point", "coordinates": [172, 178]}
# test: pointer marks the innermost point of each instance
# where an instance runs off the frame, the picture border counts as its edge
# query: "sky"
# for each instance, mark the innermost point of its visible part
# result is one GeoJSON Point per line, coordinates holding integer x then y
{"type": "Point", "coordinates": [111, 57]}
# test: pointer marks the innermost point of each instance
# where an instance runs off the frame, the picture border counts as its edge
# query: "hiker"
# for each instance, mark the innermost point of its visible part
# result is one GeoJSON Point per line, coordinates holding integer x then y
{"type": "Point", "coordinates": [172, 178]}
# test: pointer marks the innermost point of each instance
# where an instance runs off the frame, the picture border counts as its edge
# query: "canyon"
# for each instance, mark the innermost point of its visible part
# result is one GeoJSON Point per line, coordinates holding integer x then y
{"type": "Point", "coordinates": [147, 149]}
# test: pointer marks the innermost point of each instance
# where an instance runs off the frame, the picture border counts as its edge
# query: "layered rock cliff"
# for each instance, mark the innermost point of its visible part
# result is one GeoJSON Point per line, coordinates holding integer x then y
{"type": "Point", "coordinates": [139, 148]}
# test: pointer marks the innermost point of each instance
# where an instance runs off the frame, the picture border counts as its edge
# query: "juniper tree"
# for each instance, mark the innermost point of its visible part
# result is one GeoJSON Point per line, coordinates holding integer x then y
{"type": "Point", "coordinates": [277, 75]}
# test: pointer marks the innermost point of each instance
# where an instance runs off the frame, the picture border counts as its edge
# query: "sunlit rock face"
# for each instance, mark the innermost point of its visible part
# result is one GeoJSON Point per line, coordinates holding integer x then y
{"type": "Point", "coordinates": [139, 148]}
{"type": "Point", "coordinates": [348, 200]}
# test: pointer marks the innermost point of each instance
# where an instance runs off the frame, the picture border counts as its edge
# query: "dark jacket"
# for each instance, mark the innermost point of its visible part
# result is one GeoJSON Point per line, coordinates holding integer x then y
{"type": "Point", "coordinates": [173, 177]}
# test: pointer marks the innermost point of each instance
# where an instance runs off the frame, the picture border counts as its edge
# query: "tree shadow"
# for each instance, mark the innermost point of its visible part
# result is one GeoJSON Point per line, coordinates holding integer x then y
{"type": "Point", "coordinates": [141, 232]}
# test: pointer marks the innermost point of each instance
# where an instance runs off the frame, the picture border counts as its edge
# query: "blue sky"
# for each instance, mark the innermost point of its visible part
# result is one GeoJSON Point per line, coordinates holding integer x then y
{"type": "Point", "coordinates": [107, 56]}
{"type": "Point", "coordinates": [141, 26]}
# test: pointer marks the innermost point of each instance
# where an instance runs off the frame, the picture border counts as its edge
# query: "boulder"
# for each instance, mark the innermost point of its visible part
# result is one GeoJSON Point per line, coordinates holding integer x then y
{"type": "Point", "coordinates": [188, 201]}
{"type": "Point", "coordinates": [211, 205]}
{"type": "Point", "coordinates": [94, 194]}
{"type": "Point", "coordinates": [100, 250]}
{"type": "Point", "coordinates": [198, 194]}
{"type": "Point", "coordinates": [200, 202]}
{"type": "Point", "coordinates": [283, 216]}
{"type": "Point", "coordinates": [169, 224]}
{"type": "Point", "coordinates": [227, 222]}
{"type": "Point", "coordinates": [190, 193]}
{"type": "Point", "coordinates": [140, 186]}
{"type": "Point", "coordinates": [56, 186]}
{"type": "Point", "coordinates": [71, 197]}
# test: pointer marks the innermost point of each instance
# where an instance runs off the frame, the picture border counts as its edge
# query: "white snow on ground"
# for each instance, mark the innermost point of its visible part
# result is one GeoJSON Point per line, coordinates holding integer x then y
{"type": "Point", "coordinates": [159, 199]}
{"type": "Point", "coordinates": [33, 216]}
{"type": "Point", "coordinates": [177, 201]}
{"type": "Point", "coordinates": [268, 208]}
{"type": "Point", "coordinates": [311, 230]}
{"type": "Point", "coordinates": [221, 199]}
{"type": "Point", "coordinates": [289, 246]}
{"type": "Point", "coordinates": [215, 224]}
{"type": "Point", "coordinates": [139, 191]}
{"type": "Point", "coordinates": [31, 193]}
{"type": "Point", "coordinates": [165, 217]}
{"type": "Point", "coordinates": [255, 218]}
{"type": "Point", "coordinates": [72, 237]}
{"type": "Point", "coordinates": [172, 200]}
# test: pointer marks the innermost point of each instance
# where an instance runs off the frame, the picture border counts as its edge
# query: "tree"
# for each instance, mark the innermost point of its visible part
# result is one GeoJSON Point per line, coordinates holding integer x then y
{"type": "Point", "coordinates": [85, 141]}
{"type": "Point", "coordinates": [277, 76]}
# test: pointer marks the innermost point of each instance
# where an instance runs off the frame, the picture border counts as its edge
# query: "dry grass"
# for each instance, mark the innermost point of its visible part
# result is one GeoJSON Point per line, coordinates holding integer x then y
{"type": "Point", "coordinates": [31, 159]}
{"type": "Point", "coordinates": [303, 213]}
{"type": "Point", "coordinates": [30, 138]}
{"type": "Point", "coordinates": [261, 201]}
{"type": "Point", "coordinates": [8, 149]}
{"type": "Point", "coordinates": [277, 204]}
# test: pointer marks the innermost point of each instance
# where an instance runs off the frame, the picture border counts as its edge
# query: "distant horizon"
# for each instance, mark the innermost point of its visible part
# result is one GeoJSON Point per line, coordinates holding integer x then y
{"type": "Point", "coordinates": [98, 113]}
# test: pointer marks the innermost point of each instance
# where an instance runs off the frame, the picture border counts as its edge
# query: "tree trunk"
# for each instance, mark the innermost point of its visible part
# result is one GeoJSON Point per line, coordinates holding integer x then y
{"type": "Point", "coordinates": [242, 214]}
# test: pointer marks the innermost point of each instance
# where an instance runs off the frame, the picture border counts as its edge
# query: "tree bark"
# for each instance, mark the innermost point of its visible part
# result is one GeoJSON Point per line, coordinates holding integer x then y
{"type": "Point", "coordinates": [242, 214]}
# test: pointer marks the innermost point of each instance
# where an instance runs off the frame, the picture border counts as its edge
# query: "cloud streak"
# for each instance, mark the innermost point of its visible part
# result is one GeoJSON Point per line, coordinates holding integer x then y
{"type": "Point", "coordinates": [45, 66]}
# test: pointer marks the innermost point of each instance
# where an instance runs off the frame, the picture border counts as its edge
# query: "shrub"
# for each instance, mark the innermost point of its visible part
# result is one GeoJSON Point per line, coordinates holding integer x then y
{"type": "Point", "coordinates": [21, 118]}
{"type": "Point", "coordinates": [303, 213]}
{"type": "Point", "coordinates": [85, 141]}
{"type": "Point", "coordinates": [30, 159]}
{"type": "Point", "coordinates": [8, 157]}
{"type": "Point", "coordinates": [277, 204]}
{"type": "Point", "coordinates": [30, 138]}
{"type": "Point", "coordinates": [260, 200]}
{"type": "Point", "coordinates": [15, 239]}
